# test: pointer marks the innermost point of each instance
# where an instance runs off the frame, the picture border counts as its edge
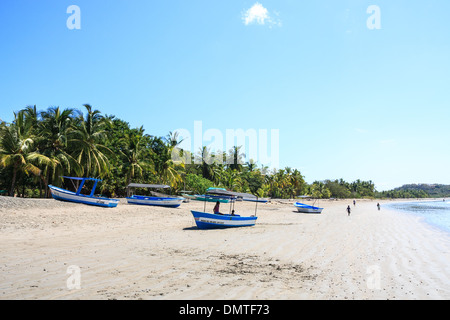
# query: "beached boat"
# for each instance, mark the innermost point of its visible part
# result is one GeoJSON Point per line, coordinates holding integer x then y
{"type": "Point", "coordinates": [240, 196]}
{"type": "Point", "coordinates": [214, 221]}
{"type": "Point", "coordinates": [188, 196]}
{"type": "Point", "coordinates": [305, 208]}
{"type": "Point", "coordinates": [155, 201]}
{"type": "Point", "coordinates": [256, 200]}
{"type": "Point", "coordinates": [206, 220]}
{"type": "Point", "coordinates": [70, 196]}
{"type": "Point", "coordinates": [160, 200]}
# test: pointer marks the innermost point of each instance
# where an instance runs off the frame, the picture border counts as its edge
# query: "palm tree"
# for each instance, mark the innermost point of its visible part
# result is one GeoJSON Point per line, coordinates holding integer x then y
{"type": "Point", "coordinates": [16, 152]}
{"type": "Point", "coordinates": [205, 159]}
{"type": "Point", "coordinates": [53, 131]}
{"type": "Point", "coordinates": [86, 138]}
{"type": "Point", "coordinates": [235, 157]}
{"type": "Point", "coordinates": [298, 182]}
{"type": "Point", "coordinates": [31, 117]}
{"type": "Point", "coordinates": [166, 168]}
{"type": "Point", "coordinates": [251, 165]}
{"type": "Point", "coordinates": [319, 190]}
{"type": "Point", "coordinates": [134, 154]}
{"type": "Point", "coordinates": [173, 139]}
{"type": "Point", "coordinates": [232, 180]}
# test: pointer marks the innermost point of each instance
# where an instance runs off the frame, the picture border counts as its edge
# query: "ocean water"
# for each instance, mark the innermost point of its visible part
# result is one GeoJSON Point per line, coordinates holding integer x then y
{"type": "Point", "coordinates": [436, 213]}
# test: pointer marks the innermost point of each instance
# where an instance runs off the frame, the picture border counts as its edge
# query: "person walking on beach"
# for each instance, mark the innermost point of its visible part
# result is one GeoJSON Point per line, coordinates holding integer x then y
{"type": "Point", "coordinates": [378, 205]}
{"type": "Point", "coordinates": [354, 202]}
{"type": "Point", "coordinates": [348, 209]}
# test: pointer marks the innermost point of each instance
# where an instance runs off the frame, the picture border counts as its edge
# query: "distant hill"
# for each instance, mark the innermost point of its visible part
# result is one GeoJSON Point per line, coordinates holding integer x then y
{"type": "Point", "coordinates": [432, 190]}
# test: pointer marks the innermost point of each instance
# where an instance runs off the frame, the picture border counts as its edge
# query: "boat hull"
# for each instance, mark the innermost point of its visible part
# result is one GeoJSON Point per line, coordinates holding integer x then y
{"type": "Point", "coordinates": [214, 221]}
{"type": "Point", "coordinates": [304, 208]}
{"type": "Point", "coordinates": [155, 201]}
{"type": "Point", "coordinates": [256, 200]}
{"type": "Point", "coordinates": [69, 196]}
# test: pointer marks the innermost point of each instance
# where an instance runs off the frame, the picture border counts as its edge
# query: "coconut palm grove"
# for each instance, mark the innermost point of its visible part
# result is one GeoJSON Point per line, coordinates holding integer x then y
{"type": "Point", "coordinates": [40, 147]}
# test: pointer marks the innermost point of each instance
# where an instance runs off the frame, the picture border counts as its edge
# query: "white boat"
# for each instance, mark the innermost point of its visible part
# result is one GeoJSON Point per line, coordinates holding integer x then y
{"type": "Point", "coordinates": [255, 200]}
{"type": "Point", "coordinates": [156, 201]}
{"type": "Point", "coordinates": [205, 220]}
{"type": "Point", "coordinates": [160, 200]}
{"type": "Point", "coordinates": [305, 208]}
{"type": "Point", "coordinates": [70, 196]}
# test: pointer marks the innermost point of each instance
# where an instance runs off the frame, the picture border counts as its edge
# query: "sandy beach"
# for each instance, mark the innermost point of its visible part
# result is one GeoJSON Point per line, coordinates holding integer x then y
{"type": "Point", "coordinates": [140, 252]}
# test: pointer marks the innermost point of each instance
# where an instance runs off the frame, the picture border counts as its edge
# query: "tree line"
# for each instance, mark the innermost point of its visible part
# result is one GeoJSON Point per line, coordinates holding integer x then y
{"type": "Point", "coordinates": [39, 148]}
{"type": "Point", "coordinates": [418, 191]}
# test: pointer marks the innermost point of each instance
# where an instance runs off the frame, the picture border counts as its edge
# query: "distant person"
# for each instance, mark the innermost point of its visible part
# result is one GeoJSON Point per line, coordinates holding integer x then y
{"type": "Point", "coordinates": [348, 209]}
{"type": "Point", "coordinates": [378, 205]}
{"type": "Point", "coordinates": [354, 202]}
{"type": "Point", "coordinates": [217, 208]}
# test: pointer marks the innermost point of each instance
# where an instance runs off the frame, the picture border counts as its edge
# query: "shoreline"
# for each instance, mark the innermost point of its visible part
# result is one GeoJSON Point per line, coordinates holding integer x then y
{"type": "Point", "coordinates": [138, 252]}
{"type": "Point", "coordinates": [423, 219]}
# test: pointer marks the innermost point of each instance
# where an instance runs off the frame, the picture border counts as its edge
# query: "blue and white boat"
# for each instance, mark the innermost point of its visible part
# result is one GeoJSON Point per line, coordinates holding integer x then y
{"type": "Point", "coordinates": [70, 196]}
{"type": "Point", "coordinates": [255, 200]}
{"type": "Point", "coordinates": [249, 197]}
{"type": "Point", "coordinates": [156, 201]}
{"type": "Point", "coordinates": [205, 220]}
{"type": "Point", "coordinates": [305, 208]}
{"type": "Point", "coordinates": [160, 200]}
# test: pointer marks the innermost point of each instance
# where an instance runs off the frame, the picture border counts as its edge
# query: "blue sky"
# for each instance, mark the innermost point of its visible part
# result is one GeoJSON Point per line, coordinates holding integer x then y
{"type": "Point", "coordinates": [349, 102]}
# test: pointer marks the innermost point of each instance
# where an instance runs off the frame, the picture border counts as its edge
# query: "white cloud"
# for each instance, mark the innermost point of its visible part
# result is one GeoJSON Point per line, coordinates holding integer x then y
{"type": "Point", "coordinates": [257, 14]}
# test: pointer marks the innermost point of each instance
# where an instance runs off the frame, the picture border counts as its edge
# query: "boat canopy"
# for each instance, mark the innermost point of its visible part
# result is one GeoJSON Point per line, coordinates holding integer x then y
{"type": "Point", "coordinates": [141, 185]}
{"type": "Point", "coordinates": [232, 195]}
{"type": "Point", "coordinates": [223, 192]}
{"type": "Point", "coordinates": [81, 179]}
{"type": "Point", "coordinates": [214, 188]}
{"type": "Point", "coordinates": [155, 186]}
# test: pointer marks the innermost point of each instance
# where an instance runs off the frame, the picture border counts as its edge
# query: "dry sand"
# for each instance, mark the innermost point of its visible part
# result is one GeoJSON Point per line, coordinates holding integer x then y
{"type": "Point", "coordinates": [139, 252]}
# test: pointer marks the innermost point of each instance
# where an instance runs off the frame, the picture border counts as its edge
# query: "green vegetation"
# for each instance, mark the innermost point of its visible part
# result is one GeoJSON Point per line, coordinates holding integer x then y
{"type": "Point", "coordinates": [418, 191]}
{"type": "Point", "coordinates": [40, 147]}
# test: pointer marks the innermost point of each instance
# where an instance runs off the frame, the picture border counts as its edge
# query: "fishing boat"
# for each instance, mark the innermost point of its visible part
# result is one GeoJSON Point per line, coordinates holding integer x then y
{"type": "Point", "coordinates": [160, 200]}
{"type": "Point", "coordinates": [206, 220]}
{"type": "Point", "coordinates": [249, 197]}
{"type": "Point", "coordinates": [70, 196]}
{"type": "Point", "coordinates": [256, 200]}
{"type": "Point", "coordinates": [186, 195]}
{"type": "Point", "coordinates": [214, 221]}
{"type": "Point", "coordinates": [305, 208]}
